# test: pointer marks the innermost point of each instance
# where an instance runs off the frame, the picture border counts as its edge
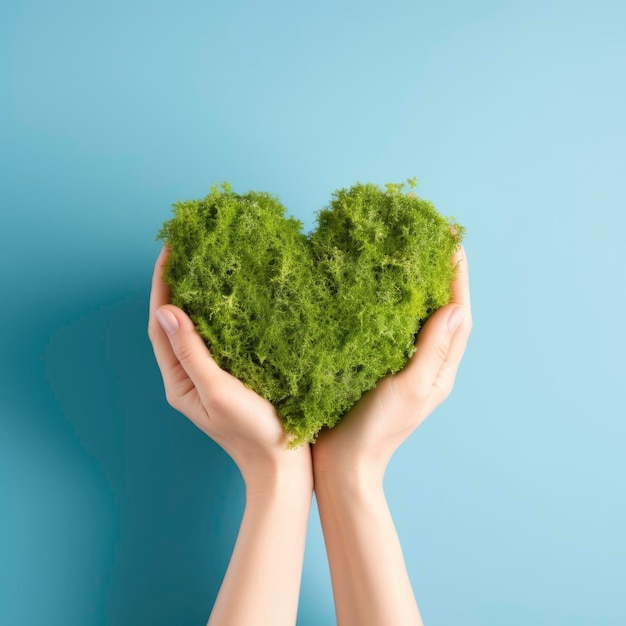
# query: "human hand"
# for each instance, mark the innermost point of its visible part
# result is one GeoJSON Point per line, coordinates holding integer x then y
{"type": "Point", "coordinates": [371, 431]}
{"type": "Point", "coordinates": [244, 424]}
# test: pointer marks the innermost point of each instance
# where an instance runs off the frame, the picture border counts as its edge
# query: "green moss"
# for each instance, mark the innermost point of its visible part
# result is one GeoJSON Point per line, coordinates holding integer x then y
{"type": "Point", "coordinates": [310, 322]}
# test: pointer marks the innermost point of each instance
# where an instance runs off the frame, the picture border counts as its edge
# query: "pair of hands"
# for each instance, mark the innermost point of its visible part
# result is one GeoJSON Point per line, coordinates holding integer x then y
{"type": "Point", "coordinates": [247, 426]}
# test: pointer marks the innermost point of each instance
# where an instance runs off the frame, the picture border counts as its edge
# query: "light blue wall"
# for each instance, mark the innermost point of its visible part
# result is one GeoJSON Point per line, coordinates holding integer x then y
{"type": "Point", "coordinates": [511, 499]}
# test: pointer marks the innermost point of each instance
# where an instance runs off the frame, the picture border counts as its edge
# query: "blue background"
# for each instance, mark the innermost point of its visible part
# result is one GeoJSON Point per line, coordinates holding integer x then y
{"type": "Point", "coordinates": [510, 500]}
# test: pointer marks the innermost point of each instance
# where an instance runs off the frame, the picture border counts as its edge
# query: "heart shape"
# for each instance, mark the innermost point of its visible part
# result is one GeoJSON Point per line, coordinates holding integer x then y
{"type": "Point", "coordinates": [310, 322]}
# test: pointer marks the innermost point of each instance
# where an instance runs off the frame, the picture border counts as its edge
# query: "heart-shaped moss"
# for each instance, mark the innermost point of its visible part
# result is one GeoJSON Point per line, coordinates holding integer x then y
{"type": "Point", "coordinates": [310, 322]}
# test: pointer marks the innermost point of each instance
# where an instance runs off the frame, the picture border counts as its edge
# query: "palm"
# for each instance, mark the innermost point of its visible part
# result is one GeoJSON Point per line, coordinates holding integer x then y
{"type": "Point", "coordinates": [385, 416]}
{"type": "Point", "coordinates": [236, 417]}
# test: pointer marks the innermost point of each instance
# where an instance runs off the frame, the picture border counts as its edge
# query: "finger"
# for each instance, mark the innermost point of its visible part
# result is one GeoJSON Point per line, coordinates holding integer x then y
{"type": "Point", "coordinates": [160, 295]}
{"type": "Point", "coordinates": [441, 341]}
{"type": "Point", "coordinates": [179, 389]}
{"type": "Point", "coordinates": [460, 284]}
{"type": "Point", "coordinates": [189, 371]}
{"type": "Point", "coordinates": [460, 296]}
{"type": "Point", "coordinates": [431, 351]}
{"type": "Point", "coordinates": [444, 381]}
{"type": "Point", "coordinates": [191, 351]}
{"type": "Point", "coordinates": [160, 292]}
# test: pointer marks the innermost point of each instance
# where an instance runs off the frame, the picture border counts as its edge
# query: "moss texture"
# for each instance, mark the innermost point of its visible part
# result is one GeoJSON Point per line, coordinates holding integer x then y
{"type": "Point", "coordinates": [310, 321]}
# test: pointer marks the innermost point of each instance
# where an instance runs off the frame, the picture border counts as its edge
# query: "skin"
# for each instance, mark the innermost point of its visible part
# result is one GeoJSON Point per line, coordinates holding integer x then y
{"type": "Point", "coordinates": [370, 583]}
{"type": "Point", "coordinates": [262, 583]}
{"type": "Point", "coordinates": [346, 465]}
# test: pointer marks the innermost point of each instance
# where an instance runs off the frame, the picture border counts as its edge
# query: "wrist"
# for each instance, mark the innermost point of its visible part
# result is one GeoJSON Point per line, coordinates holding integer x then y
{"type": "Point", "coordinates": [276, 478]}
{"type": "Point", "coordinates": [350, 476]}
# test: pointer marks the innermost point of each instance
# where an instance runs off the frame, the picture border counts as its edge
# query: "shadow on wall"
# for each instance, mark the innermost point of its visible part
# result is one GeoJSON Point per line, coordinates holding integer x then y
{"type": "Point", "coordinates": [177, 498]}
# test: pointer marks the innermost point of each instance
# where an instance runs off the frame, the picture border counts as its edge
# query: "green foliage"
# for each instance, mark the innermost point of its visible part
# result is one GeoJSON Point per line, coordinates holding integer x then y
{"type": "Point", "coordinates": [310, 322]}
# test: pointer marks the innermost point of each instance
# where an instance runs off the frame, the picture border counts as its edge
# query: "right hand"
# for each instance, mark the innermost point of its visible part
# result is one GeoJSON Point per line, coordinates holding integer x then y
{"type": "Point", "coordinates": [371, 431]}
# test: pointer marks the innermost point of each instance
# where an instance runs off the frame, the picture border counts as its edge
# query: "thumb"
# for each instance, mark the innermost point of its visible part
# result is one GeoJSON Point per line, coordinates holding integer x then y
{"type": "Point", "coordinates": [431, 352]}
{"type": "Point", "coordinates": [188, 346]}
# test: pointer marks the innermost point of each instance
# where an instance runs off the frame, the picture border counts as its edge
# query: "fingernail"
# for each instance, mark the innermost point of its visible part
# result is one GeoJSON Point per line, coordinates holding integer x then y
{"type": "Point", "coordinates": [167, 320]}
{"type": "Point", "coordinates": [456, 317]}
{"type": "Point", "coordinates": [459, 255]}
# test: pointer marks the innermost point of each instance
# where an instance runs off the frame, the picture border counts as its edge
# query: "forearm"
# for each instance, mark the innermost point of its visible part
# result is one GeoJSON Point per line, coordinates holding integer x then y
{"type": "Point", "coordinates": [262, 583]}
{"type": "Point", "coordinates": [370, 582]}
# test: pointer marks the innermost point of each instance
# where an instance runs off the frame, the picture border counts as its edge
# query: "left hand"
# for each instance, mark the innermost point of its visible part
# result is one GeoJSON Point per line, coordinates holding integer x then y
{"type": "Point", "coordinates": [243, 423]}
